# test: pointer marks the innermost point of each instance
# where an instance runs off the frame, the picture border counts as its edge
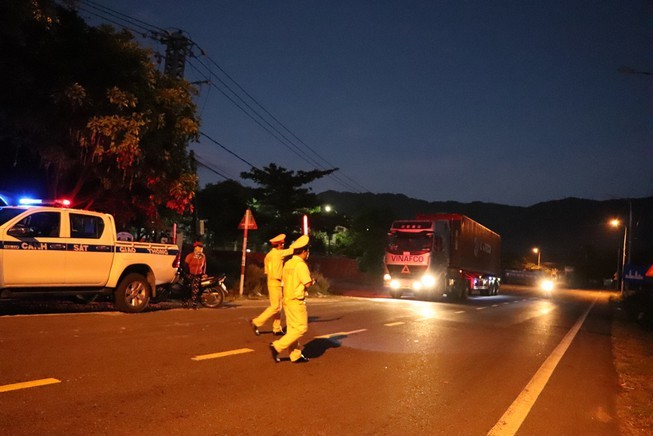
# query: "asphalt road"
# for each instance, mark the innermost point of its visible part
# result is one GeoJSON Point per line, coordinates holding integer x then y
{"type": "Point", "coordinates": [511, 364]}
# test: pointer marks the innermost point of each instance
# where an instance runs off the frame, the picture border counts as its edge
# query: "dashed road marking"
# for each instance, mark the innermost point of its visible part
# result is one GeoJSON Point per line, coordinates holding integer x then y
{"type": "Point", "coordinates": [481, 308]}
{"type": "Point", "coordinates": [332, 335]}
{"type": "Point", "coordinates": [29, 384]}
{"type": "Point", "coordinates": [460, 311]}
{"type": "Point", "coordinates": [392, 324]}
{"type": "Point", "coordinates": [222, 354]}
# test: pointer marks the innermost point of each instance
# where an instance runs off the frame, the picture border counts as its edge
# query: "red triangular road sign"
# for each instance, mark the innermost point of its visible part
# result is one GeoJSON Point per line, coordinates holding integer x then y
{"type": "Point", "coordinates": [251, 223]}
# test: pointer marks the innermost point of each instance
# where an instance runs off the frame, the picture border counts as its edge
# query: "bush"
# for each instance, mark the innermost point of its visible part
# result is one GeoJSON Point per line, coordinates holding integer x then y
{"type": "Point", "coordinates": [320, 287]}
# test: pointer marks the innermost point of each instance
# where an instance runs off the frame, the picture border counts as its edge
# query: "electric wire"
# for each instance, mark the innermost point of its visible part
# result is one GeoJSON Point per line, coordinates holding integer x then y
{"type": "Point", "coordinates": [158, 33]}
{"type": "Point", "coordinates": [273, 117]}
{"type": "Point", "coordinates": [284, 140]}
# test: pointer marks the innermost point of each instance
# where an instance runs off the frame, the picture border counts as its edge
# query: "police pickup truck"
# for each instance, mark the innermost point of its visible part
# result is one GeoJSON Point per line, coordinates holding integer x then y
{"type": "Point", "coordinates": [60, 251]}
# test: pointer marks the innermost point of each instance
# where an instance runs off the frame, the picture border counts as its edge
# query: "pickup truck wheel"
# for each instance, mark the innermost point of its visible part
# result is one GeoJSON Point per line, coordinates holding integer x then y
{"type": "Point", "coordinates": [132, 294]}
{"type": "Point", "coordinates": [212, 297]}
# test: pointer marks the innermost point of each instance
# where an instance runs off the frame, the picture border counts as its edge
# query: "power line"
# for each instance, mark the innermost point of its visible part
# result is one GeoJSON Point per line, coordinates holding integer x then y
{"type": "Point", "coordinates": [163, 35]}
{"type": "Point", "coordinates": [227, 150]}
{"type": "Point", "coordinates": [272, 116]}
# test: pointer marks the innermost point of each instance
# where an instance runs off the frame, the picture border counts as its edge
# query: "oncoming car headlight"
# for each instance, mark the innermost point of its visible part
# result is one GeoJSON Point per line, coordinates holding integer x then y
{"type": "Point", "coordinates": [547, 285]}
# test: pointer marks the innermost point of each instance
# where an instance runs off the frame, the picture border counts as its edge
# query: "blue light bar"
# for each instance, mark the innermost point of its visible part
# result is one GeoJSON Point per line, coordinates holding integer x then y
{"type": "Point", "coordinates": [29, 201]}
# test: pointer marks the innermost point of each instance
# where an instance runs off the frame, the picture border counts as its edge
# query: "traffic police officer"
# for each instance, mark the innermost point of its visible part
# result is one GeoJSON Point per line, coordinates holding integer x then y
{"type": "Point", "coordinates": [273, 264]}
{"type": "Point", "coordinates": [296, 278]}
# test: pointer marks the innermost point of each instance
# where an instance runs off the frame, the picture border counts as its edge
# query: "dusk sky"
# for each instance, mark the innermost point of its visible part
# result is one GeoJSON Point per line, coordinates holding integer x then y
{"type": "Point", "coordinates": [510, 102]}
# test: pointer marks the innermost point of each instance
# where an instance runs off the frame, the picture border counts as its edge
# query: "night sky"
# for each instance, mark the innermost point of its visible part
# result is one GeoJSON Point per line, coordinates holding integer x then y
{"type": "Point", "coordinates": [510, 102]}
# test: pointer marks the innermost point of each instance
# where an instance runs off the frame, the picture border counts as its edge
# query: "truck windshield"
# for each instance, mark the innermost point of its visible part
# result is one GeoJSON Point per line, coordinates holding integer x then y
{"type": "Point", "coordinates": [7, 213]}
{"type": "Point", "coordinates": [415, 243]}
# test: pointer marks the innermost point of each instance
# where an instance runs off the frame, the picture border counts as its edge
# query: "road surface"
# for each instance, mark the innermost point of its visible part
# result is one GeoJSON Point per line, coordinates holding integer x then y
{"type": "Point", "coordinates": [515, 363]}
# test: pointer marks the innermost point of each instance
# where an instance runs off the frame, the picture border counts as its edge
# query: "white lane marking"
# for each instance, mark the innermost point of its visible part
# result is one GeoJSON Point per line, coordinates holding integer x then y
{"type": "Point", "coordinates": [513, 418]}
{"type": "Point", "coordinates": [495, 305]}
{"type": "Point", "coordinates": [460, 311]}
{"type": "Point", "coordinates": [481, 308]}
{"type": "Point", "coordinates": [222, 354]}
{"type": "Point", "coordinates": [329, 336]}
{"type": "Point", "coordinates": [392, 324]}
{"type": "Point", "coordinates": [29, 384]}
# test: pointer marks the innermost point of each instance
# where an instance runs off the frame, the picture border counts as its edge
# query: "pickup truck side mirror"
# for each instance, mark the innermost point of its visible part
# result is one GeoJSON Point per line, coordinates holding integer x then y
{"type": "Point", "coordinates": [20, 231]}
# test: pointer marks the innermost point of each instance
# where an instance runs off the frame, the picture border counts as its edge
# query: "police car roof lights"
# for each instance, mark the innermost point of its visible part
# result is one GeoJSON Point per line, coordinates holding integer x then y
{"type": "Point", "coordinates": [26, 201]}
{"type": "Point", "coordinates": [30, 201]}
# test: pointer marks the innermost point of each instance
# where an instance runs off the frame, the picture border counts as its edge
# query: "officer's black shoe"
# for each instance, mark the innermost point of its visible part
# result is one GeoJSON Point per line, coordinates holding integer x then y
{"type": "Point", "coordinates": [275, 354]}
{"type": "Point", "coordinates": [280, 332]}
{"type": "Point", "coordinates": [254, 328]}
{"type": "Point", "coordinates": [302, 359]}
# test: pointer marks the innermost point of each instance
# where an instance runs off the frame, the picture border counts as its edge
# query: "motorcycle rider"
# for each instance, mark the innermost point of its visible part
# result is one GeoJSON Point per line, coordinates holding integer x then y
{"type": "Point", "coordinates": [196, 266]}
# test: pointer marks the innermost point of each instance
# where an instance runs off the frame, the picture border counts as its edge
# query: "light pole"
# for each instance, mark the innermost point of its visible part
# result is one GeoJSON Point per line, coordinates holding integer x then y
{"type": "Point", "coordinates": [616, 223]}
{"type": "Point", "coordinates": [537, 251]}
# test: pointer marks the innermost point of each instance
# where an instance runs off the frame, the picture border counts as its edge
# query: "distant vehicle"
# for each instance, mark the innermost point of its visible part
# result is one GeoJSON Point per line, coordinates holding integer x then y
{"type": "Point", "coordinates": [442, 254]}
{"type": "Point", "coordinates": [61, 251]}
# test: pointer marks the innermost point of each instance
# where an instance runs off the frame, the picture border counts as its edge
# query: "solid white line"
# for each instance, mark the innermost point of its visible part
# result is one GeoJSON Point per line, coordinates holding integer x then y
{"type": "Point", "coordinates": [513, 418]}
{"type": "Point", "coordinates": [222, 354]}
{"type": "Point", "coordinates": [392, 324]}
{"type": "Point", "coordinates": [29, 384]}
{"type": "Point", "coordinates": [340, 334]}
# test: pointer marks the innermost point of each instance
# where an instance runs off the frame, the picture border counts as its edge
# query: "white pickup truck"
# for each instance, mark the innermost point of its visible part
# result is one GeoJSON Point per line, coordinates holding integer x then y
{"type": "Point", "coordinates": [51, 250]}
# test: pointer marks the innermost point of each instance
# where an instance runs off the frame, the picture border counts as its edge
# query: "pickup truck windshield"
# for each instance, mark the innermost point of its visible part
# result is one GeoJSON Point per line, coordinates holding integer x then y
{"type": "Point", "coordinates": [8, 213]}
{"type": "Point", "coordinates": [416, 243]}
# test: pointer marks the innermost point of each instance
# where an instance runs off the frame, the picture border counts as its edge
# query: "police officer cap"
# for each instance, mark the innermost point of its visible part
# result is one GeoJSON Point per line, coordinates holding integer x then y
{"type": "Point", "coordinates": [198, 244]}
{"type": "Point", "coordinates": [278, 239]}
{"type": "Point", "coordinates": [301, 242]}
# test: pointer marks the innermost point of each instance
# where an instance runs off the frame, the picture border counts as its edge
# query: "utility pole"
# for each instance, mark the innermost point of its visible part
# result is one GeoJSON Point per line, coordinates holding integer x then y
{"type": "Point", "coordinates": [177, 48]}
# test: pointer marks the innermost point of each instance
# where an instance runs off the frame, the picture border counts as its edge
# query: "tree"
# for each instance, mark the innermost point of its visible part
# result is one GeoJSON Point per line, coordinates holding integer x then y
{"type": "Point", "coordinates": [89, 105]}
{"type": "Point", "coordinates": [223, 205]}
{"type": "Point", "coordinates": [281, 198]}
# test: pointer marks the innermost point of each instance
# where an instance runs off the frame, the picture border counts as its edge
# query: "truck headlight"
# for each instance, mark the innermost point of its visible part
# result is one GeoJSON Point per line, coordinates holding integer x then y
{"type": "Point", "coordinates": [394, 284]}
{"type": "Point", "coordinates": [428, 280]}
{"type": "Point", "coordinates": [386, 277]}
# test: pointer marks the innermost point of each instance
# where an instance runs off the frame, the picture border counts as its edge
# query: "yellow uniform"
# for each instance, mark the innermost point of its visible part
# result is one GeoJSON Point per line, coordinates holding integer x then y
{"type": "Point", "coordinates": [296, 277]}
{"type": "Point", "coordinates": [273, 264]}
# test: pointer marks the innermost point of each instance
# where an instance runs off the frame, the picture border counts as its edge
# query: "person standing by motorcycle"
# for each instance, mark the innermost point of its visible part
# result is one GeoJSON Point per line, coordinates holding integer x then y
{"type": "Point", "coordinates": [273, 264]}
{"type": "Point", "coordinates": [296, 278]}
{"type": "Point", "coordinates": [196, 266]}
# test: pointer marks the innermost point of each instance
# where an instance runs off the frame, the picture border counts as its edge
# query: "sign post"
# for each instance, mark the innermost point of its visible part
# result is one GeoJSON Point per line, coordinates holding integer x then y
{"type": "Point", "coordinates": [247, 223]}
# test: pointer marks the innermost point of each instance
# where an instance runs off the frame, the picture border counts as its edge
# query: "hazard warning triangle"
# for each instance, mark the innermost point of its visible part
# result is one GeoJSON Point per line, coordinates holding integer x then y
{"type": "Point", "coordinates": [248, 221]}
{"type": "Point", "coordinates": [405, 270]}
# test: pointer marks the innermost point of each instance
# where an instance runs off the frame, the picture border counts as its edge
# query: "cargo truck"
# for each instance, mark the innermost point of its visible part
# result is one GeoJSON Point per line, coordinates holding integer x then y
{"type": "Point", "coordinates": [443, 254]}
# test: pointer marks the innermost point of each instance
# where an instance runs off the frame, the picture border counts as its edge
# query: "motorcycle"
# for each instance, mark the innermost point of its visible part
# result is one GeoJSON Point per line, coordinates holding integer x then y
{"type": "Point", "coordinates": [212, 291]}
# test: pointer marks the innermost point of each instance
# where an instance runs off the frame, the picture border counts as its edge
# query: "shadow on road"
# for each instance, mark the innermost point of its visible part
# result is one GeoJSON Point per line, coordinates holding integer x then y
{"type": "Point", "coordinates": [317, 347]}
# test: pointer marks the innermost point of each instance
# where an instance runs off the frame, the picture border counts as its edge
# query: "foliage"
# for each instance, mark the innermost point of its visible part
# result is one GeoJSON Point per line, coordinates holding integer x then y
{"type": "Point", "coordinates": [281, 197]}
{"type": "Point", "coordinates": [88, 105]}
{"type": "Point", "coordinates": [223, 205]}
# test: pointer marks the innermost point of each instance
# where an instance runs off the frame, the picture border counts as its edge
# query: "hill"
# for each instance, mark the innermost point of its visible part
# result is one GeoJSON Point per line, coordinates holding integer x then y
{"type": "Point", "coordinates": [572, 231]}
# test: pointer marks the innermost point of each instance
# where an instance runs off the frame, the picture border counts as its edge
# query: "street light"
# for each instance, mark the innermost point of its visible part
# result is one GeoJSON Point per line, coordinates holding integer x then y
{"type": "Point", "coordinates": [616, 223]}
{"type": "Point", "coordinates": [539, 253]}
